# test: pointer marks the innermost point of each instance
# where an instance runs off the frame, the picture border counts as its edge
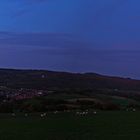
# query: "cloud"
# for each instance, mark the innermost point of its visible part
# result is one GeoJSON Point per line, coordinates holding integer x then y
{"type": "Point", "coordinates": [64, 41]}
{"type": "Point", "coordinates": [44, 40]}
{"type": "Point", "coordinates": [60, 51]}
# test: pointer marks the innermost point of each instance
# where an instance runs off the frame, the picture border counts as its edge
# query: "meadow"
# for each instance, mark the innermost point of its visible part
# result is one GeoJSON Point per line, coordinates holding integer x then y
{"type": "Point", "coordinates": [105, 125]}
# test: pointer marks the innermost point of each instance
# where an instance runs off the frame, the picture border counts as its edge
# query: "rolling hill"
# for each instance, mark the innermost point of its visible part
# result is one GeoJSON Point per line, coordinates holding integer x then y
{"type": "Point", "coordinates": [43, 79]}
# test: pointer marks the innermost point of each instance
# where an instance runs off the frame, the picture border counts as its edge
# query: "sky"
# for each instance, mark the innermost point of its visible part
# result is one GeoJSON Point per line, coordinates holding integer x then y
{"type": "Point", "coordinates": [101, 36]}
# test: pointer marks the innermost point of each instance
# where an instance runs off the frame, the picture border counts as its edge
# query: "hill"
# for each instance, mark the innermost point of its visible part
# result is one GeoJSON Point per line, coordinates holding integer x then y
{"type": "Point", "coordinates": [20, 91]}
{"type": "Point", "coordinates": [43, 79]}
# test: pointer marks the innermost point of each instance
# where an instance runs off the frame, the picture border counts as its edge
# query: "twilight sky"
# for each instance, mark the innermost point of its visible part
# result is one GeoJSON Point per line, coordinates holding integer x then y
{"type": "Point", "coordinates": [100, 36]}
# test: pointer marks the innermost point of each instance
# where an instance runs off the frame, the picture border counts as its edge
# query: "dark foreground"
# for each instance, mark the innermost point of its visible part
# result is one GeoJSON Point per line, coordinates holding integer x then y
{"type": "Point", "coordinates": [68, 126]}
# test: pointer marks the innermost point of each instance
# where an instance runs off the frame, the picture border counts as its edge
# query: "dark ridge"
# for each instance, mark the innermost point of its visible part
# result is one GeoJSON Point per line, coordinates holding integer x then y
{"type": "Point", "coordinates": [44, 79]}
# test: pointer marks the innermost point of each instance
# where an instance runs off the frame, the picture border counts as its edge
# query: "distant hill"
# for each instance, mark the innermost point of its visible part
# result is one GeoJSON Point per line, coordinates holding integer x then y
{"type": "Point", "coordinates": [43, 79]}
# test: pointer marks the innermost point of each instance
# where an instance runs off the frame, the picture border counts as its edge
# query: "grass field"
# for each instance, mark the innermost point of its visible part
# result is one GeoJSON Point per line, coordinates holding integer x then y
{"type": "Point", "coordinates": [67, 126]}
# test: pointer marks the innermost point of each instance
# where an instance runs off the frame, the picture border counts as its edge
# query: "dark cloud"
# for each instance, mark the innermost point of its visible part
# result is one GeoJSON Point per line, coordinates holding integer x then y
{"type": "Point", "coordinates": [61, 40]}
{"type": "Point", "coordinates": [60, 51]}
{"type": "Point", "coordinates": [51, 40]}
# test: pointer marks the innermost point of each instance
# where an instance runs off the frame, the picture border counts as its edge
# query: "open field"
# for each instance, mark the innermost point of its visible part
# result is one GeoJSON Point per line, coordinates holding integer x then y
{"type": "Point", "coordinates": [117, 125]}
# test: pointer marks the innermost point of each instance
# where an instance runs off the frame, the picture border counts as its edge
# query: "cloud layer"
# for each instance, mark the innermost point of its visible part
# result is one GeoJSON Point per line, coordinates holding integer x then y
{"type": "Point", "coordinates": [75, 35]}
{"type": "Point", "coordinates": [65, 53]}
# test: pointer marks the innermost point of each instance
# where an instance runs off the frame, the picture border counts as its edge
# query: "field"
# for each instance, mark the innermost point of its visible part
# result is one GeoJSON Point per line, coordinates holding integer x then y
{"type": "Point", "coordinates": [117, 125]}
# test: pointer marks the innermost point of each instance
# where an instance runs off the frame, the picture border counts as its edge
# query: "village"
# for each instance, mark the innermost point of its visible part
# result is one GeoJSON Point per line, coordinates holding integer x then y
{"type": "Point", "coordinates": [8, 95]}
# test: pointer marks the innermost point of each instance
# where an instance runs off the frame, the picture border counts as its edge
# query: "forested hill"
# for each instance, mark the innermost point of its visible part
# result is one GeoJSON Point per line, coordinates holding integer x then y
{"type": "Point", "coordinates": [41, 79]}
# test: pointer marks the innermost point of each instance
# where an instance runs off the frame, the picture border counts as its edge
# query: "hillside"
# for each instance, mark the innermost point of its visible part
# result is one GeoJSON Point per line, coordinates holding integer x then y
{"type": "Point", "coordinates": [41, 79]}
{"type": "Point", "coordinates": [42, 90]}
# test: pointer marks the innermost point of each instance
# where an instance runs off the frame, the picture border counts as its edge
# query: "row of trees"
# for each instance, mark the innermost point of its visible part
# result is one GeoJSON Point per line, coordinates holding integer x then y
{"type": "Point", "coordinates": [44, 105]}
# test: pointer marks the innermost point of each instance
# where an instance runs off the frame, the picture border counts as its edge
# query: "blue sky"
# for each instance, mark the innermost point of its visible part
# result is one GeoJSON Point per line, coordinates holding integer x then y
{"type": "Point", "coordinates": [77, 35]}
{"type": "Point", "coordinates": [99, 21]}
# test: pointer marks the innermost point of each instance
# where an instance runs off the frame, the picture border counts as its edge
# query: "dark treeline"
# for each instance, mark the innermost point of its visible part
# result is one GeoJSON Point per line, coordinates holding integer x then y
{"type": "Point", "coordinates": [41, 105]}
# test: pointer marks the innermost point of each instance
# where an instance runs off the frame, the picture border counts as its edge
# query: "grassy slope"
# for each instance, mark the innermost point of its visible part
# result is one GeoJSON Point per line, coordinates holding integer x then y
{"type": "Point", "coordinates": [116, 100]}
{"type": "Point", "coordinates": [121, 101]}
{"type": "Point", "coordinates": [103, 126]}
